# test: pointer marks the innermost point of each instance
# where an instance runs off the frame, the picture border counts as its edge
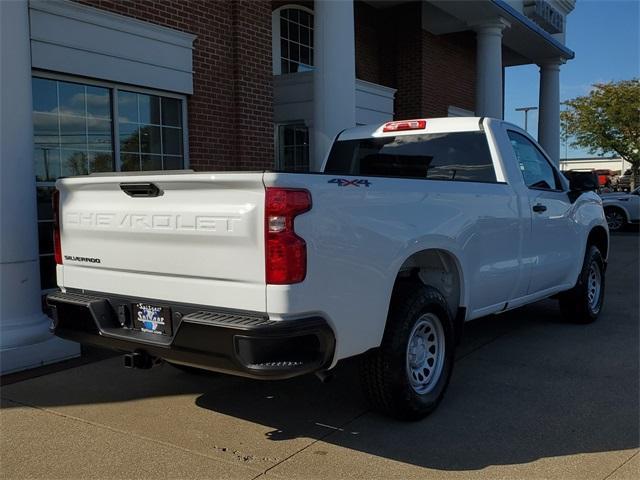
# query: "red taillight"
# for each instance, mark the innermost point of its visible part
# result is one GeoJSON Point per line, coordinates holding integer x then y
{"type": "Point", "coordinates": [404, 125]}
{"type": "Point", "coordinates": [285, 252]}
{"type": "Point", "coordinates": [57, 249]}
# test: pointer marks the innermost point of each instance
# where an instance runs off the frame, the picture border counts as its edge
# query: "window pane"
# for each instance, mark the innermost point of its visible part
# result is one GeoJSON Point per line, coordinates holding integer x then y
{"type": "Point", "coordinates": [294, 52]}
{"type": "Point", "coordinates": [98, 103]}
{"type": "Point", "coordinates": [150, 139]}
{"type": "Point", "coordinates": [45, 95]}
{"type": "Point", "coordinates": [151, 162]}
{"type": "Point", "coordinates": [284, 26]}
{"type": "Point", "coordinates": [284, 49]}
{"type": "Point", "coordinates": [294, 32]}
{"type": "Point", "coordinates": [47, 162]}
{"type": "Point", "coordinates": [72, 99]}
{"type": "Point", "coordinates": [284, 66]}
{"type": "Point", "coordinates": [74, 162]}
{"type": "Point", "coordinates": [536, 170]}
{"type": "Point", "coordinates": [130, 162]}
{"type": "Point", "coordinates": [99, 134]}
{"type": "Point", "coordinates": [172, 163]}
{"type": "Point", "coordinates": [456, 156]}
{"type": "Point", "coordinates": [100, 162]}
{"type": "Point", "coordinates": [45, 210]}
{"type": "Point", "coordinates": [129, 137]}
{"type": "Point", "coordinates": [45, 129]}
{"type": "Point", "coordinates": [45, 237]}
{"type": "Point", "coordinates": [305, 18]}
{"type": "Point", "coordinates": [293, 148]}
{"type": "Point", "coordinates": [47, 271]}
{"type": "Point", "coordinates": [172, 141]}
{"type": "Point", "coordinates": [73, 131]}
{"type": "Point", "coordinates": [304, 35]}
{"type": "Point", "coordinates": [127, 106]}
{"type": "Point", "coordinates": [293, 15]}
{"type": "Point", "coordinates": [149, 108]}
{"type": "Point", "coordinates": [171, 112]}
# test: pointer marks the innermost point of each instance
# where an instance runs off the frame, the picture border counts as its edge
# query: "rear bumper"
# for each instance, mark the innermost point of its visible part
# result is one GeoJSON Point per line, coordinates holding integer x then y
{"type": "Point", "coordinates": [239, 343]}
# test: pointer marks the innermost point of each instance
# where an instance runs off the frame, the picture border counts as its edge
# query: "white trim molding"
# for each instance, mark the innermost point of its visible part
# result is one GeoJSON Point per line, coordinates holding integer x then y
{"type": "Point", "coordinates": [78, 40]}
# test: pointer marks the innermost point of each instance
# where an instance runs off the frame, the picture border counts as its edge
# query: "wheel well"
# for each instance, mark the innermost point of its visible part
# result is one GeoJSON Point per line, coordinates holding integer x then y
{"type": "Point", "coordinates": [436, 268]}
{"type": "Point", "coordinates": [598, 237]}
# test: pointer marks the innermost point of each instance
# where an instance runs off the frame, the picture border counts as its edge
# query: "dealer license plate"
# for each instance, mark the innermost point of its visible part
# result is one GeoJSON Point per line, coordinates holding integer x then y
{"type": "Point", "coordinates": [151, 318]}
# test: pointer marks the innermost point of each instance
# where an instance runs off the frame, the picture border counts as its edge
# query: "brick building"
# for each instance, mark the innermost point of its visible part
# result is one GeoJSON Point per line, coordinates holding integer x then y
{"type": "Point", "coordinates": [126, 85]}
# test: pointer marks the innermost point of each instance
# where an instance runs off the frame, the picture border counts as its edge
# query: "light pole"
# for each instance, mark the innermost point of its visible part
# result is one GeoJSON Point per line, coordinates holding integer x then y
{"type": "Point", "coordinates": [526, 115]}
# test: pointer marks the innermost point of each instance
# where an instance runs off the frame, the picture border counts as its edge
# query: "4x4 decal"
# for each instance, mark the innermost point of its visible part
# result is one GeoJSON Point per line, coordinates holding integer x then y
{"type": "Point", "coordinates": [356, 182]}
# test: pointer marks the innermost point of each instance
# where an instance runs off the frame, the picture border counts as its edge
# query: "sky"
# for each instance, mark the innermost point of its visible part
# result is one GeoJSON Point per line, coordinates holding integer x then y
{"type": "Point", "coordinates": [604, 34]}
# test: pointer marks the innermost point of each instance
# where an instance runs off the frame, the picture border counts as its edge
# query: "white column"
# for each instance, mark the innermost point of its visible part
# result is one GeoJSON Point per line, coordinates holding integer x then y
{"type": "Point", "coordinates": [25, 340]}
{"type": "Point", "coordinates": [489, 68]}
{"type": "Point", "coordinates": [549, 114]}
{"type": "Point", "coordinates": [334, 78]}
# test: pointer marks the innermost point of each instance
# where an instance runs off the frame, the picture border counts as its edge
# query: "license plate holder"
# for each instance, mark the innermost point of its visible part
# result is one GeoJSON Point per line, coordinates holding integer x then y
{"type": "Point", "coordinates": [149, 318]}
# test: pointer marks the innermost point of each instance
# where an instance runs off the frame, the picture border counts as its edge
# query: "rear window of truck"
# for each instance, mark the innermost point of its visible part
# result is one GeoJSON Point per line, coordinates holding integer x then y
{"type": "Point", "coordinates": [458, 156]}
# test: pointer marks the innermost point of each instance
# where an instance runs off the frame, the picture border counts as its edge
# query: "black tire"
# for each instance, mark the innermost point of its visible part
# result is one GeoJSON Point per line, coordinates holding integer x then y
{"type": "Point", "coordinates": [616, 219]}
{"type": "Point", "coordinates": [575, 304]}
{"type": "Point", "coordinates": [385, 377]}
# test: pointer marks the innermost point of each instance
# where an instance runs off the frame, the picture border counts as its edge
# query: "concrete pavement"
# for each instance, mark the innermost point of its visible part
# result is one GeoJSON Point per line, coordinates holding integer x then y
{"type": "Point", "coordinates": [530, 397]}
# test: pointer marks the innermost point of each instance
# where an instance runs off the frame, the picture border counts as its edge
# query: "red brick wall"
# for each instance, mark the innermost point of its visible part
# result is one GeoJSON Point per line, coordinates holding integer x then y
{"type": "Point", "coordinates": [430, 72]}
{"type": "Point", "coordinates": [231, 109]}
{"type": "Point", "coordinates": [449, 72]}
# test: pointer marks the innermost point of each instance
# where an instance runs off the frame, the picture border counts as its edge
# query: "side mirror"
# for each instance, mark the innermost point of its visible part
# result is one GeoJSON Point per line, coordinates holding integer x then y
{"type": "Point", "coordinates": [583, 182]}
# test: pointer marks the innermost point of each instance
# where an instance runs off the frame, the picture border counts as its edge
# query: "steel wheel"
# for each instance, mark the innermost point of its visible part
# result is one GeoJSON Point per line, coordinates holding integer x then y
{"type": "Point", "coordinates": [615, 220]}
{"type": "Point", "coordinates": [594, 285]}
{"type": "Point", "coordinates": [425, 353]}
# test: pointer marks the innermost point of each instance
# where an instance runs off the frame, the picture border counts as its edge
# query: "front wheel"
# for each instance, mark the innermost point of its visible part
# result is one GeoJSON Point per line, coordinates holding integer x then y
{"type": "Point", "coordinates": [616, 220]}
{"type": "Point", "coordinates": [583, 303]}
{"type": "Point", "coordinates": [406, 377]}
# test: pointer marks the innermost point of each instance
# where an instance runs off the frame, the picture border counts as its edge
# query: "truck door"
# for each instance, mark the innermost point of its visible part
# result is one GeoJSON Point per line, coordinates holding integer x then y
{"type": "Point", "coordinates": [552, 247]}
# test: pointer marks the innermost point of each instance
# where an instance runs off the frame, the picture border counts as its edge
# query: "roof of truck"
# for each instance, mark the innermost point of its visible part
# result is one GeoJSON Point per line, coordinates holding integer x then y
{"type": "Point", "coordinates": [432, 125]}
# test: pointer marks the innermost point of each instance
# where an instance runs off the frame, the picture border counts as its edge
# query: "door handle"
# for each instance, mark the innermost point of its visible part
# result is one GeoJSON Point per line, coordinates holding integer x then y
{"type": "Point", "coordinates": [143, 189]}
{"type": "Point", "coordinates": [539, 208]}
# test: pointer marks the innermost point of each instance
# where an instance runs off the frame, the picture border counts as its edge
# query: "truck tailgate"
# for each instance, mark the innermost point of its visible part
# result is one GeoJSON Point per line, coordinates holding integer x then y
{"type": "Point", "coordinates": [200, 240]}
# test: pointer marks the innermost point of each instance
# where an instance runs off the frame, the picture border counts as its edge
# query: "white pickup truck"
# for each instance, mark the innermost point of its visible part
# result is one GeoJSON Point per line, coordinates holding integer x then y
{"type": "Point", "coordinates": [413, 228]}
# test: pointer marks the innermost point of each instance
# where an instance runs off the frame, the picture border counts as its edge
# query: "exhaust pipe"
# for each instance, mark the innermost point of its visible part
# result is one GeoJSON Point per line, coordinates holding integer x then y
{"type": "Point", "coordinates": [139, 360]}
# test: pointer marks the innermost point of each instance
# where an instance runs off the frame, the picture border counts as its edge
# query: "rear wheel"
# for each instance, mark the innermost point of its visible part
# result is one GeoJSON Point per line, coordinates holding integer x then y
{"type": "Point", "coordinates": [616, 219]}
{"type": "Point", "coordinates": [406, 377]}
{"type": "Point", "coordinates": [583, 303]}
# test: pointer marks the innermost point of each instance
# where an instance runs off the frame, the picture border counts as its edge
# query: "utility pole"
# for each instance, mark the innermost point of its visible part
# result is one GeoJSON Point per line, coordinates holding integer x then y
{"type": "Point", "coordinates": [526, 115]}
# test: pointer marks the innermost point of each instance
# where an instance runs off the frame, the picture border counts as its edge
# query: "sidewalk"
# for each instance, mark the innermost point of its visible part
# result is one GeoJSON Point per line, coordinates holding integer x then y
{"type": "Point", "coordinates": [531, 397]}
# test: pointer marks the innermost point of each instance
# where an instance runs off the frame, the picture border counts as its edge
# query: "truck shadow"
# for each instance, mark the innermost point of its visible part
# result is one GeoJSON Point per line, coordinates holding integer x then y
{"type": "Point", "coordinates": [509, 405]}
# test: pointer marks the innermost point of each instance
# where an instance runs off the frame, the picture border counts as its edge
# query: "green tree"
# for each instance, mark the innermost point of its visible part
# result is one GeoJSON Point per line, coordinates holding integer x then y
{"type": "Point", "coordinates": [607, 120]}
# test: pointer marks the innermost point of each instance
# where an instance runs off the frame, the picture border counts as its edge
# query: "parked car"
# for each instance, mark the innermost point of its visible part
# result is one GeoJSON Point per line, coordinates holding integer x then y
{"type": "Point", "coordinates": [412, 229]}
{"type": "Point", "coordinates": [621, 209]}
{"type": "Point", "coordinates": [624, 182]}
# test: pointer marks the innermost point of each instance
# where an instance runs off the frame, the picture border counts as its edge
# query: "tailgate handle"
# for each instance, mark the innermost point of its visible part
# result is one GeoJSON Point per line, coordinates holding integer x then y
{"type": "Point", "coordinates": [140, 189]}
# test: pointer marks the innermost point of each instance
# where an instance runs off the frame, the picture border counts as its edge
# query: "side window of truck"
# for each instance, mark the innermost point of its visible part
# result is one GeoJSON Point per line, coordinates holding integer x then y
{"type": "Point", "coordinates": [536, 169]}
{"type": "Point", "coordinates": [458, 156]}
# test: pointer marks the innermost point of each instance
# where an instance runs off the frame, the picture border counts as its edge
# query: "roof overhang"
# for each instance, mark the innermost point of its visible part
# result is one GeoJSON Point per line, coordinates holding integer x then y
{"type": "Point", "coordinates": [524, 41]}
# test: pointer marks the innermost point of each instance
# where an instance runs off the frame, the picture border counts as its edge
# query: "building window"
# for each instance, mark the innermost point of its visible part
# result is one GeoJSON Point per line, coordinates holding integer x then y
{"type": "Point", "coordinates": [292, 39]}
{"type": "Point", "coordinates": [150, 132]}
{"type": "Point", "coordinates": [293, 148]}
{"type": "Point", "coordinates": [75, 127]}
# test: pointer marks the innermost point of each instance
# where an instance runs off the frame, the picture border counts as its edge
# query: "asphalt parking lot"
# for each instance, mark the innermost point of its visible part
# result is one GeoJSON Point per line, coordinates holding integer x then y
{"type": "Point", "coordinates": [530, 397]}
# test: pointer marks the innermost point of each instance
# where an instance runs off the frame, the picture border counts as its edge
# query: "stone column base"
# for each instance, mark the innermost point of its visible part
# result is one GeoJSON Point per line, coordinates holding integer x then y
{"type": "Point", "coordinates": [22, 357]}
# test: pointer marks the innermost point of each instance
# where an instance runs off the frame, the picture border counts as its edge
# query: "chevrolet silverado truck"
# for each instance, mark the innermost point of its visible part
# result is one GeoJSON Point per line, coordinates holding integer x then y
{"type": "Point", "coordinates": [411, 229]}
